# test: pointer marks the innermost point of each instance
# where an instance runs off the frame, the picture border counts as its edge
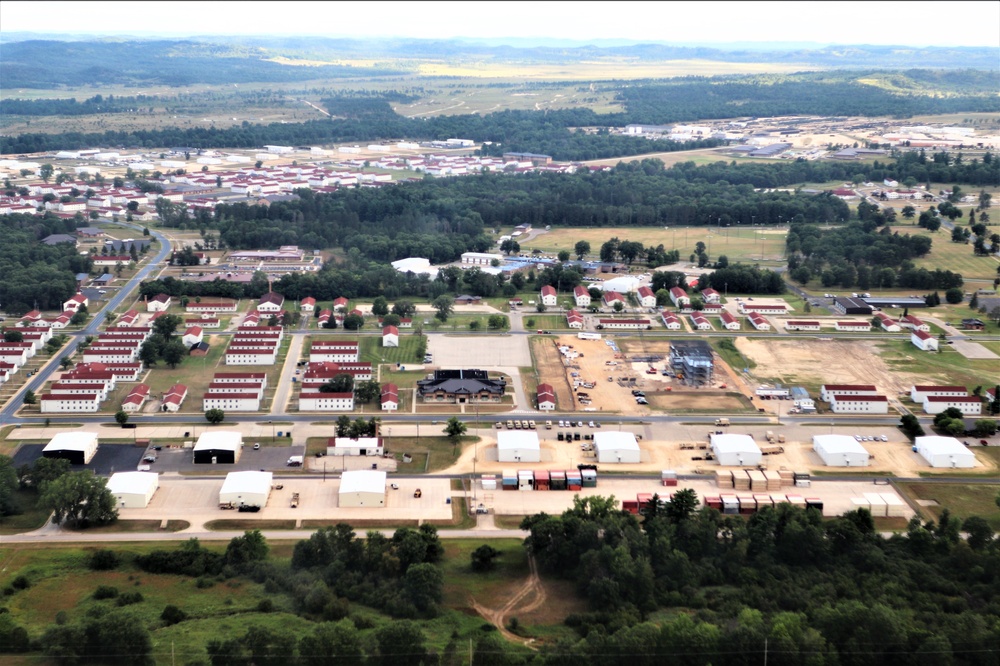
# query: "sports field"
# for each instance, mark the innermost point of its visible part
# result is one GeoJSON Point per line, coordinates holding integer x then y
{"type": "Point", "coordinates": [957, 257]}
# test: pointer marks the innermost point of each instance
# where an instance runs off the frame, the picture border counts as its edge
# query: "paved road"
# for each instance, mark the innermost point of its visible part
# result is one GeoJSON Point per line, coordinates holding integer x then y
{"type": "Point", "coordinates": [92, 328]}
{"type": "Point", "coordinates": [284, 389]}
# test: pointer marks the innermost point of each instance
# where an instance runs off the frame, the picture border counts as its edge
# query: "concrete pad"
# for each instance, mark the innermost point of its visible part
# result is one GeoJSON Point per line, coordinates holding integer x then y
{"type": "Point", "coordinates": [972, 350]}
{"type": "Point", "coordinates": [452, 351]}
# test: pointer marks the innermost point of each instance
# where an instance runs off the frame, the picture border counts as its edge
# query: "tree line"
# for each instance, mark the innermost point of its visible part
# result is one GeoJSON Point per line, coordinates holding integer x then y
{"type": "Point", "coordinates": [36, 275]}
{"type": "Point", "coordinates": [784, 580]}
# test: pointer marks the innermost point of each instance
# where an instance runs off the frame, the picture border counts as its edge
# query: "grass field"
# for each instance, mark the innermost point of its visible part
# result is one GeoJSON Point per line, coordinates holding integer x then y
{"type": "Point", "coordinates": [950, 366]}
{"type": "Point", "coordinates": [956, 257]}
{"type": "Point", "coordinates": [962, 500]}
{"type": "Point", "coordinates": [737, 243]}
{"type": "Point", "coordinates": [31, 518]}
{"type": "Point", "coordinates": [408, 350]}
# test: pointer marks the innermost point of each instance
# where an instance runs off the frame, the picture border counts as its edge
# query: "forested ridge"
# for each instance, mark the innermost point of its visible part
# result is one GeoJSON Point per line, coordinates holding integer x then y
{"type": "Point", "coordinates": [654, 102]}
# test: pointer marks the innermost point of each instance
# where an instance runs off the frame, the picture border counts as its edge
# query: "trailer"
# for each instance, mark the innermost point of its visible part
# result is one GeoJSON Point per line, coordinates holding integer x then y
{"type": "Point", "coordinates": [295, 500]}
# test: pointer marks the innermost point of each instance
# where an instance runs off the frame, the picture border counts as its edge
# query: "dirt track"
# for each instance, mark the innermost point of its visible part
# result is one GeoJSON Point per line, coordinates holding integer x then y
{"type": "Point", "coordinates": [532, 589]}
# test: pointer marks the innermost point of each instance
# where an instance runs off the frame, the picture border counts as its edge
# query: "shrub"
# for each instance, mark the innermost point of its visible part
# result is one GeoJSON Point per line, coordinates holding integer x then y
{"type": "Point", "coordinates": [265, 606]}
{"type": "Point", "coordinates": [105, 592]}
{"type": "Point", "coordinates": [103, 560]}
{"type": "Point", "coordinates": [129, 598]}
{"type": "Point", "coordinates": [172, 615]}
{"type": "Point", "coordinates": [20, 583]}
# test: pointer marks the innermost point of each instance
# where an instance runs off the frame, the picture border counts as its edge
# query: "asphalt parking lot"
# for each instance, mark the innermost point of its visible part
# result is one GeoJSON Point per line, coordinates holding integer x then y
{"type": "Point", "coordinates": [268, 458]}
{"type": "Point", "coordinates": [109, 458]}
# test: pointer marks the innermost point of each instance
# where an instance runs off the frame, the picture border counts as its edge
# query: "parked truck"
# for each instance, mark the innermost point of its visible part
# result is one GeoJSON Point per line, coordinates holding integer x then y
{"type": "Point", "coordinates": [721, 422]}
{"type": "Point", "coordinates": [295, 500]}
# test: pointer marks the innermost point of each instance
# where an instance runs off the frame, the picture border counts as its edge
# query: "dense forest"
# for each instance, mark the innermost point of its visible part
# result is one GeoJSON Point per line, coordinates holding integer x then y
{"type": "Point", "coordinates": [408, 219]}
{"type": "Point", "coordinates": [783, 582]}
{"type": "Point", "coordinates": [36, 275]}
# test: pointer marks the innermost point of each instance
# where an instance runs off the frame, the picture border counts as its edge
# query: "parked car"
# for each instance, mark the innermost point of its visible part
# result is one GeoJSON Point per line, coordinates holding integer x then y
{"type": "Point", "coordinates": [984, 442]}
{"type": "Point", "coordinates": [884, 438]}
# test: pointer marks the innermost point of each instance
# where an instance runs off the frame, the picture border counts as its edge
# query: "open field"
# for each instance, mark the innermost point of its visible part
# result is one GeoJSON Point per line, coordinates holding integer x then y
{"type": "Point", "coordinates": [737, 243]}
{"type": "Point", "coordinates": [962, 500]}
{"type": "Point", "coordinates": [956, 257]}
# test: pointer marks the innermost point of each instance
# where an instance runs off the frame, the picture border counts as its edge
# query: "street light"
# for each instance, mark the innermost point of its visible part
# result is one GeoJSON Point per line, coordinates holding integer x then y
{"type": "Point", "coordinates": [272, 431]}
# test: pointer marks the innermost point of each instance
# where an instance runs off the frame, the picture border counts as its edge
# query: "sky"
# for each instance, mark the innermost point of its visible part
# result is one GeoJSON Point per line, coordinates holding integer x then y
{"type": "Point", "coordinates": [877, 23]}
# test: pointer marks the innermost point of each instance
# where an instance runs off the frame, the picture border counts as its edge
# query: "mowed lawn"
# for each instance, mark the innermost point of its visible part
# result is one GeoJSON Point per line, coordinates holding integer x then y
{"type": "Point", "coordinates": [737, 243]}
{"type": "Point", "coordinates": [955, 257]}
{"type": "Point", "coordinates": [949, 366]}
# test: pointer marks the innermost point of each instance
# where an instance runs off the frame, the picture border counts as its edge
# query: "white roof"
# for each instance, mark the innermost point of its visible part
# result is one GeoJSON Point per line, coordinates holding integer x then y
{"type": "Point", "coordinates": [133, 483]}
{"type": "Point", "coordinates": [72, 441]}
{"type": "Point", "coordinates": [219, 440]}
{"type": "Point", "coordinates": [942, 446]}
{"type": "Point", "coordinates": [621, 284]}
{"type": "Point", "coordinates": [242, 483]}
{"type": "Point", "coordinates": [838, 444]}
{"type": "Point", "coordinates": [734, 444]}
{"type": "Point", "coordinates": [360, 442]}
{"type": "Point", "coordinates": [624, 441]}
{"type": "Point", "coordinates": [414, 265]}
{"type": "Point", "coordinates": [512, 440]}
{"type": "Point", "coordinates": [362, 481]}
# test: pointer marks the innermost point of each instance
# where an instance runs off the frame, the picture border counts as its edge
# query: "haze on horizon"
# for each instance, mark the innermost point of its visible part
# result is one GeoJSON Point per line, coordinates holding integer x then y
{"type": "Point", "coordinates": [708, 23]}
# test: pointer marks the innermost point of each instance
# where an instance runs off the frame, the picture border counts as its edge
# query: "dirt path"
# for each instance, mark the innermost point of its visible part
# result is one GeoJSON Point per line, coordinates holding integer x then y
{"type": "Point", "coordinates": [533, 592]}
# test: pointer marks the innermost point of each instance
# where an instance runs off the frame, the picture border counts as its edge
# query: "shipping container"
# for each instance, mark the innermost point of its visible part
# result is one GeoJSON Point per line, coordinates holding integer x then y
{"type": "Point", "coordinates": [541, 480]}
{"type": "Point", "coordinates": [557, 480]}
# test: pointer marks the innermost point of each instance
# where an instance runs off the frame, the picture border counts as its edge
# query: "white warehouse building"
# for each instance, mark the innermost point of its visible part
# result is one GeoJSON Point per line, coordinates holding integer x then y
{"type": "Point", "coordinates": [735, 450]}
{"type": "Point", "coordinates": [944, 452]}
{"type": "Point", "coordinates": [616, 447]}
{"type": "Point", "coordinates": [362, 446]}
{"type": "Point", "coordinates": [518, 446]}
{"type": "Point", "coordinates": [77, 447]}
{"type": "Point", "coordinates": [246, 489]}
{"type": "Point", "coordinates": [840, 451]}
{"type": "Point", "coordinates": [133, 490]}
{"type": "Point", "coordinates": [362, 488]}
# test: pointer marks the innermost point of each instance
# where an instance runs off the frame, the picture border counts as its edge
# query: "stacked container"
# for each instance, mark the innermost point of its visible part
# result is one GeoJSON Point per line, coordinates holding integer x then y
{"type": "Point", "coordinates": [509, 479]}
{"type": "Point", "coordinates": [589, 478]}
{"type": "Point", "coordinates": [730, 504]}
{"type": "Point", "coordinates": [894, 506]}
{"type": "Point", "coordinates": [758, 483]}
{"type": "Point", "coordinates": [814, 503]}
{"type": "Point", "coordinates": [797, 500]}
{"type": "Point", "coordinates": [713, 502]}
{"type": "Point", "coordinates": [541, 480]}
{"type": "Point", "coordinates": [668, 477]}
{"type": "Point", "coordinates": [762, 500]}
{"type": "Point", "coordinates": [747, 504]}
{"type": "Point", "coordinates": [787, 477]}
{"type": "Point", "coordinates": [557, 480]}
{"type": "Point", "coordinates": [773, 480]}
{"type": "Point", "coordinates": [525, 479]}
{"type": "Point", "coordinates": [878, 505]}
{"type": "Point", "coordinates": [740, 480]}
{"type": "Point", "coordinates": [574, 480]}
{"type": "Point", "coordinates": [489, 482]}
{"type": "Point", "coordinates": [724, 478]}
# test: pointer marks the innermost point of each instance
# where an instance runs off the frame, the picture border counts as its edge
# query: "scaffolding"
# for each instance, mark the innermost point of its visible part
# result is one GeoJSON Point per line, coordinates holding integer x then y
{"type": "Point", "coordinates": [692, 362]}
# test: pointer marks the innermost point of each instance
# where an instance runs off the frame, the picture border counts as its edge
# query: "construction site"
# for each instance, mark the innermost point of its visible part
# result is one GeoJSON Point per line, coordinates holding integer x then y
{"type": "Point", "coordinates": [631, 376]}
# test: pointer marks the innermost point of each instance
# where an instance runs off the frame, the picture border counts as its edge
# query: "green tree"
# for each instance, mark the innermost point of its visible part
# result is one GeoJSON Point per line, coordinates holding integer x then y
{"type": "Point", "coordinates": [166, 325]}
{"type": "Point", "coordinates": [354, 322]}
{"type": "Point", "coordinates": [954, 295]}
{"type": "Point", "coordinates": [215, 416]}
{"type": "Point", "coordinates": [399, 643]}
{"type": "Point", "coordinates": [404, 309]}
{"type": "Point", "coordinates": [454, 428]}
{"type": "Point", "coordinates": [497, 322]}
{"type": "Point", "coordinates": [563, 255]}
{"type": "Point", "coordinates": [149, 352]}
{"type": "Point", "coordinates": [330, 642]}
{"type": "Point", "coordinates": [42, 471]}
{"type": "Point", "coordinates": [682, 505]}
{"type": "Point", "coordinates": [339, 383]}
{"type": "Point", "coordinates": [251, 547]}
{"type": "Point", "coordinates": [268, 647]}
{"type": "Point", "coordinates": [174, 353]}
{"type": "Point", "coordinates": [582, 248]}
{"type": "Point", "coordinates": [390, 320]}
{"type": "Point", "coordinates": [13, 336]}
{"type": "Point", "coordinates": [45, 172]}
{"type": "Point", "coordinates": [65, 362]}
{"type": "Point", "coordinates": [79, 498]}
{"type": "Point", "coordinates": [8, 487]}
{"type": "Point", "coordinates": [380, 307]}
{"type": "Point", "coordinates": [423, 586]}
{"type": "Point", "coordinates": [367, 391]}
{"type": "Point", "coordinates": [483, 558]}
{"type": "Point", "coordinates": [29, 397]}
{"type": "Point", "coordinates": [444, 305]}
{"type": "Point", "coordinates": [121, 416]}
{"type": "Point", "coordinates": [474, 325]}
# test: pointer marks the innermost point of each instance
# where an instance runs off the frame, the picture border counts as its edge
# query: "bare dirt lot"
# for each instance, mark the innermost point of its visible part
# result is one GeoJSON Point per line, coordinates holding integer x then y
{"type": "Point", "coordinates": [815, 362]}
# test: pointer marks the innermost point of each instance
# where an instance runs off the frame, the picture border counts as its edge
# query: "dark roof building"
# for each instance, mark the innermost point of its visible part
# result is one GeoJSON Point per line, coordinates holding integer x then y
{"type": "Point", "coordinates": [461, 386]}
{"type": "Point", "coordinates": [56, 239]}
{"type": "Point", "coordinates": [852, 306]}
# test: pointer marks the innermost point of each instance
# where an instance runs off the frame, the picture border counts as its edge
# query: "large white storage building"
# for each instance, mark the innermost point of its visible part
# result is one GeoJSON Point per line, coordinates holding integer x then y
{"type": "Point", "coordinates": [77, 447]}
{"type": "Point", "coordinates": [362, 446]}
{"type": "Point", "coordinates": [246, 488]}
{"type": "Point", "coordinates": [735, 450]}
{"type": "Point", "coordinates": [945, 452]}
{"type": "Point", "coordinates": [518, 446]}
{"type": "Point", "coordinates": [133, 490]}
{"type": "Point", "coordinates": [616, 447]}
{"type": "Point", "coordinates": [362, 488]}
{"type": "Point", "coordinates": [840, 451]}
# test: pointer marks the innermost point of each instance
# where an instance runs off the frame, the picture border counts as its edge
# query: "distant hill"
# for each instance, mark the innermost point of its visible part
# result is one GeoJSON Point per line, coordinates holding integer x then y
{"type": "Point", "coordinates": [50, 63]}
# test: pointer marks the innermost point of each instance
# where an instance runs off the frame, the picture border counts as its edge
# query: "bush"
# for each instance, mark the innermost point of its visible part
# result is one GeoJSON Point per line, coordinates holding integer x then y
{"type": "Point", "coordinates": [203, 583]}
{"type": "Point", "coordinates": [265, 606]}
{"type": "Point", "coordinates": [20, 583]}
{"type": "Point", "coordinates": [103, 560]}
{"type": "Point", "coordinates": [172, 615]}
{"type": "Point", "coordinates": [129, 598]}
{"type": "Point", "coordinates": [105, 592]}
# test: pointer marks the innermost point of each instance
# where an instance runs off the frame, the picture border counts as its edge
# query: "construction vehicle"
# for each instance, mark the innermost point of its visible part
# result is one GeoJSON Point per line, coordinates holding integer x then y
{"type": "Point", "coordinates": [295, 500]}
{"type": "Point", "coordinates": [770, 436]}
{"type": "Point", "coordinates": [768, 450]}
{"type": "Point", "coordinates": [417, 493]}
